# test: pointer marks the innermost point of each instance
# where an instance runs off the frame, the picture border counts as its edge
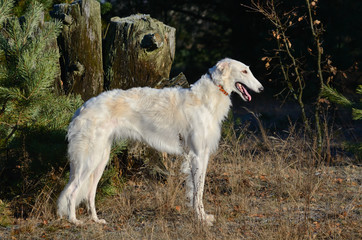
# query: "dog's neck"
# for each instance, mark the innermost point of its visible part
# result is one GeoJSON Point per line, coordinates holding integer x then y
{"type": "Point", "coordinates": [221, 88]}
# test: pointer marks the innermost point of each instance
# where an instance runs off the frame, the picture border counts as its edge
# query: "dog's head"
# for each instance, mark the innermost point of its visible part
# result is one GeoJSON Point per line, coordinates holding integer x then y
{"type": "Point", "coordinates": [235, 76]}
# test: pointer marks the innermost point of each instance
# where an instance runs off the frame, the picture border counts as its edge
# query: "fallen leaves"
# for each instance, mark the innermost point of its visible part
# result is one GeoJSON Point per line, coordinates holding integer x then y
{"type": "Point", "coordinates": [338, 180]}
{"type": "Point", "coordinates": [317, 225]}
{"type": "Point", "coordinates": [178, 208]}
{"type": "Point", "coordinates": [263, 178]}
{"type": "Point", "coordinates": [257, 215]}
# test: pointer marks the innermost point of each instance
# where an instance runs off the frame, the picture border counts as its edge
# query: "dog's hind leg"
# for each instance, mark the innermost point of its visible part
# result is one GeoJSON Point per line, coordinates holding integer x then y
{"type": "Point", "coordinates": [96, 176]}
{"type": "Point", "coordinates": [75, 192]}
{"type": "Point", "coordinates": [68, 198]}
{"type": "Point", "coordinates": [79, 184]}
{"type": "Point", "coordinates": [186, 169]}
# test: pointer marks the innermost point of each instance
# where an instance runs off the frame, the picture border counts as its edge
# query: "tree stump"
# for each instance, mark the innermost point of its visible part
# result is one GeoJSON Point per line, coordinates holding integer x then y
{"type": "Point", "coordinates": [138, 51]}
{"type": "Point", "coordinates": [80, 44]}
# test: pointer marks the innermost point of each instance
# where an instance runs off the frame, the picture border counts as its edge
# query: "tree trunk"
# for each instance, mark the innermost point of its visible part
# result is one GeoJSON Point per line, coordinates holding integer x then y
{"type": "Point", "coordinates": [80, 44]}
{"type": "Point", "coordinates": [138, 51]}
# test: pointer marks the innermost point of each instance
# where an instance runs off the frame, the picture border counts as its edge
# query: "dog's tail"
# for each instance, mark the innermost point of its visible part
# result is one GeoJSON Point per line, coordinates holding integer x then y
{"type": "Point", "coordinates": [62, 205]}
{"type": "Point", "coordinates": [63, 202]}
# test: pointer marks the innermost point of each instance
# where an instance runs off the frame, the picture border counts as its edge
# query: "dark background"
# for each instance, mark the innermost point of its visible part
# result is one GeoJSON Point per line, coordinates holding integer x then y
{"type": "Point", "coordinates": [209, 30]}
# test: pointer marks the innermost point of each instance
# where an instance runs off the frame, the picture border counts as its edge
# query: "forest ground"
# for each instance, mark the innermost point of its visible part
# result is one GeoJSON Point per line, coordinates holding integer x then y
{"type": "Point", "coordinates": [257, 188]}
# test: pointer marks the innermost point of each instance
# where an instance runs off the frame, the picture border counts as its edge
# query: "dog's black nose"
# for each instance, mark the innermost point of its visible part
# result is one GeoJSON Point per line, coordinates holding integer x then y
{"type": "Point", "coordinates": [261, 89]}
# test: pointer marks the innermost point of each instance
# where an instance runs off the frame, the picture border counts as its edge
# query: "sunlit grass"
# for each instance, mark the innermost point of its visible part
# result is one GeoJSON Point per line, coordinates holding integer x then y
{"type": "Point", "coordinates": [279, 191]}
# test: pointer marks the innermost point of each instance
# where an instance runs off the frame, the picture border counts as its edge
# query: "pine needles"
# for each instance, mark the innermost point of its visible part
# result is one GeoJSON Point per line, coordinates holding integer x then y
{"type": "Point", "coordinates": [33, 119]}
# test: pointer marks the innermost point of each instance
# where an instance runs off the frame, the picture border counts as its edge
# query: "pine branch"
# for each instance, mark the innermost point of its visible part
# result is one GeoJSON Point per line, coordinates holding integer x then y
{"type": "Point", "coordinates": [33, 16]}
{"type": "Point", "coordinates": [5, 10]}
{"type": "Point", "coordinates": [359, 89]}
{"type": "Point", "coordinates": [10, 93]}
{"type": "Point", "coordinates": [55, 112]}
{"type": "Point", "coordinates": [28, 67]}
{"type": "Point", "coordinates": [356, 114]}
{"type": "Point", "coordinates": [335, 96]}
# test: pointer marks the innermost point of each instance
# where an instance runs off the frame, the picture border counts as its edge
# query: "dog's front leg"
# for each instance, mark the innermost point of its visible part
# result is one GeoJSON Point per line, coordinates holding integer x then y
{"type": "Point", "coordinates": [198, 173]}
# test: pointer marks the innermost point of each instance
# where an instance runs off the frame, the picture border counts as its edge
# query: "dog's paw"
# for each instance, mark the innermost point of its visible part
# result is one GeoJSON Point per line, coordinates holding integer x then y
{"type": "Point", "coordinates": [209, 219]}
{"type": "Point", "coordinates": [101, 221]}
{"type": "Point", "coordinates": [76, 222]}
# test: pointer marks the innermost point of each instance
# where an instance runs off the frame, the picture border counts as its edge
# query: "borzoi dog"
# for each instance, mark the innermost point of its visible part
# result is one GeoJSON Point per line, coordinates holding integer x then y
{"type": "Point", "coordinates": [173, 120]}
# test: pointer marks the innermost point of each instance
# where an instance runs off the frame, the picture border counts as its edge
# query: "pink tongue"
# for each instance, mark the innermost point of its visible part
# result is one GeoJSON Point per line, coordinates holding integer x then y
{"type": "Point", "coordinates": [246, 94]}
{"type": "Point", "coordinates": [244, 91]}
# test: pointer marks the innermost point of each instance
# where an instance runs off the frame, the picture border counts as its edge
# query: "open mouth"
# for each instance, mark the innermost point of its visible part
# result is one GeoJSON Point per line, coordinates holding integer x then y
{"type": "Point", "coordinates": [244, 92]}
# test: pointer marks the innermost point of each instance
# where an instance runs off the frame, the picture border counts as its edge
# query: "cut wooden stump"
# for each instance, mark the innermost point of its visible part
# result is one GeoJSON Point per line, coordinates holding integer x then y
{"type": "Point", "coordinates": [80, 44]}
{"type": "Point", "coordinates": [138, 52]}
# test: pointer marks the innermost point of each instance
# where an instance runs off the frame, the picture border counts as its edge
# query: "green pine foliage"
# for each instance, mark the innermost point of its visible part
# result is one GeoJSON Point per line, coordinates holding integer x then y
{"type": "Point", "coordinates": [357, 112]}
{"type": "Point", "coordinates": [33, 119]}
{"type": "Point", "coordinates": [5, 214]}
{"type": "Point", "coordinates": [5, 9]}
{"type": "Point", "coordinates": [337, 98]}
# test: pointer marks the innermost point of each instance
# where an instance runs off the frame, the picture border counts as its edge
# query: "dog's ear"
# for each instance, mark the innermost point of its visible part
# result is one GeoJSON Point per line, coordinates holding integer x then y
{"type": "Point", "coordinates": [223, 67]}
{"type": "Point", "coordinates": [221, 71]}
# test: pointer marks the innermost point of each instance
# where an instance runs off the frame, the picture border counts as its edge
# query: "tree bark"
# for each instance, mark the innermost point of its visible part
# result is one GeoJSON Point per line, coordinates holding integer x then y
{"type": "Point", "coordinates": [138, 51]}
{"type": "Point", "coordinates": [80, 44]}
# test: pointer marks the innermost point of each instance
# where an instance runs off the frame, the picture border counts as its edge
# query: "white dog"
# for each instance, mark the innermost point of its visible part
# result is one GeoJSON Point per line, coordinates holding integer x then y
{"type": "Point", "coordinates": [172, 120]}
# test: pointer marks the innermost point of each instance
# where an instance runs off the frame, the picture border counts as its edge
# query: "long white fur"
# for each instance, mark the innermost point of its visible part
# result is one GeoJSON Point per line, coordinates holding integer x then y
{"type": "Point", "coordinates": [159, 117]}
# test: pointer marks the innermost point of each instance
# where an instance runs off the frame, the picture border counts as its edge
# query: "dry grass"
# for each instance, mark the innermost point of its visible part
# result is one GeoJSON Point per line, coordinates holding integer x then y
{"type": "Point", "coordinates": [270, 189]}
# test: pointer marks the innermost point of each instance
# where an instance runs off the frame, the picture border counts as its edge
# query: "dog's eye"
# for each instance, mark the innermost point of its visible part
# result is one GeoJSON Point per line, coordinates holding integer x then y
{"type": "Point", "coordinates": [244, 71]}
